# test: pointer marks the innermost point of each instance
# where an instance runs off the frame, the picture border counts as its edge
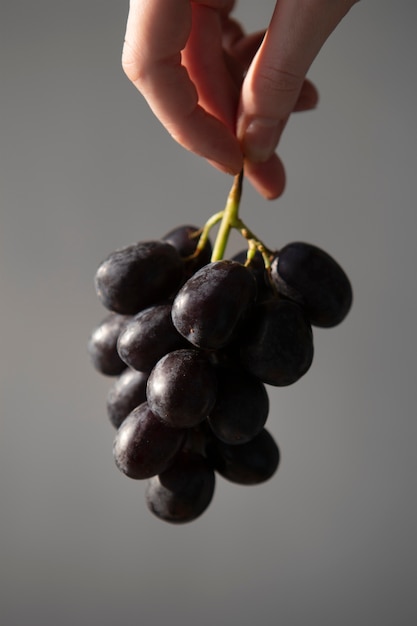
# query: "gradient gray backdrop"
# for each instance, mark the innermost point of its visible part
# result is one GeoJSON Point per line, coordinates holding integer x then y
{"type": "Point", "coordinates": [85, 168]}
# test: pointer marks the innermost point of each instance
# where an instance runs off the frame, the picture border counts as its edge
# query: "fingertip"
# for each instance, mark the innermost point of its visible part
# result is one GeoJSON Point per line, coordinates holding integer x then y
{"type": "Point", "coordinates": [227, 168]}
{"type": "Point", "coordinates": [260, 139]}
{"type": "Point", "coordinates": [267, 178]}
{"type": "Point", "coordinates": [308, 98]}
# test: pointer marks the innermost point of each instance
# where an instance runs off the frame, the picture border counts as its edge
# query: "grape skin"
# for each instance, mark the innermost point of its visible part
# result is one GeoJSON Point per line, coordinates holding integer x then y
{"type": "Point", "coordinates": [184, 491]}
{"type": "Point", "coordinates": [144, 446]}
{"type": "Point", "coordinates": [210, 305]}
{"type": "Point", "coordinates": [139, 275]}
{"type": "Point", "coordinates": [182, 388]}
{"type": "Point", "coordinates": [183, 241]}
{"type": "Point", "coordinates": [250, 463]}
{"type": "Point", "coordinates": [241, 407]}
{"type": "Point", "coordinates": [257, 267]}
{"type": "Point", "coordinates": [277, 344]}
{"type": "Point", "coordinates": [148, 336]}
{"type": "Point", "coordinates": [127, 392]}
{"type": "Point", "coordinates": [102, 345]}
{"type": "Point", "coordinates": [314, 279]}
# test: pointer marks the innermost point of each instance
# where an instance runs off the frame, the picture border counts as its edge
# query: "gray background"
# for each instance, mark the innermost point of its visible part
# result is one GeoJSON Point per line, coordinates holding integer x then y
{"type": "Point", "coordinates": [85, 168]}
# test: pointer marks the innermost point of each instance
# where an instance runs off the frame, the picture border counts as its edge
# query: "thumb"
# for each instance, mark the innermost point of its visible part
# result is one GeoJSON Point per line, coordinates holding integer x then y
{"type": "Point", "coordinates": [273, 83]}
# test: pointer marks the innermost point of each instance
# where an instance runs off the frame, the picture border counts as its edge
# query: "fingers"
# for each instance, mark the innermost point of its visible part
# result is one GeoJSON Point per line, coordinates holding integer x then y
{"type": "Point", "coordinates": [156, 33]}
{"type": "Point", "coordinates": [188, 59]}
{"type": "Point", "coordinates": [307, 98]}
{"type": "Point", "coordinates": [242, 49]}
{"type": "Point", "coordinates": [273, 86]}
{"type": "Point", "coordinates": [208, 68]}
{"type": "Point", "coordinates": [267, 178]}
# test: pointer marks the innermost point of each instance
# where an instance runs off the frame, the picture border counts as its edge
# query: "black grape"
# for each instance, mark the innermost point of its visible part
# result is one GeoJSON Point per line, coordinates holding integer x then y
{"type": "Point", "coordinates": [126, 393]}
{"type": "Point", "coordinates": [139, 275]}
{"type": "Point", "coordinates": [257, 267]}
{"type": "Point", "coordinates": [184, 491]}
{"type": "Point", "coordinates": [183, 240]}
{"type": "Point", "coordinates": [102, 345]}
{"type": "Point", "coordinates": [241, 407]}
{"type": "Point", "coordinates": [144, 446]}
{"type": "Point", "coordinates": [247, 464]}
{"type": "Point", "coordinates": [148, 336]}
{"type": "Point", "coordinates": [194, 343]}
{"type": "Point", "coordinates": [210, 305]}
{"type": "Point", "coordinates": [315, 280]}
{"type": "Point", "coordinates": [277, 343]}
{"type": "Point", "coordinates": [182, 388]}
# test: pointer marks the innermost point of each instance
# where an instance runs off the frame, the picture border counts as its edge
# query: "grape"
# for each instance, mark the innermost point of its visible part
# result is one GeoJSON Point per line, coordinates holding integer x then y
{"type": "Point", "coordinates": [315, 280]}
{"type": "Point", "coordinates": [144, 446]}
{"type": "Point", "coordinates": [126, 393]}
{"type": "Point", "coordinates": [241, 408]}
{"type": "Point", "coordinates": [277, 344]}
{"type": "Point", "coordinates": [184, 491]}
{"type": "Point", "coordinates": [247, 464]}
{"type": "Point", "coordinates": [194, 342]}
{"type": "Point", "coordinates": [257, 267]}
{"type": "Point", "coordinates": [210, 305]}
{"type": "Point", "coordinates": [182, 239]}
{"type": "Point", "coordinates": [139, 275]}
{"type": "Point", "coordinates": [148, 337]}
{"type": "Point", "coordinates": [102, 345]}
{"type": "Point", "coordinates": [182, 388]}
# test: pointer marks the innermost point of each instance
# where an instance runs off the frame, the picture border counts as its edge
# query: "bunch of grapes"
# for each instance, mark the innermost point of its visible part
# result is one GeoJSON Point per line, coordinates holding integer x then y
{"type": "Point", "coordinates": [192, 340]}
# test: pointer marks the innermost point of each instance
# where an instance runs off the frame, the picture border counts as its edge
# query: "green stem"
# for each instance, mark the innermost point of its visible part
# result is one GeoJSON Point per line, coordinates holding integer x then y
{"type": "Point", "coordinates": [230, 218]}
{"type": "Point", "coordinates": [255, 245]}
{"type": "Point", "coordinates": [204, 233]}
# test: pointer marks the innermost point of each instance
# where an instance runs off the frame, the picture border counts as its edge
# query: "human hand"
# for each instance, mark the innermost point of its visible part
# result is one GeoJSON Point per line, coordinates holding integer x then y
{"type": "Point", "coordinates": [189, 58]}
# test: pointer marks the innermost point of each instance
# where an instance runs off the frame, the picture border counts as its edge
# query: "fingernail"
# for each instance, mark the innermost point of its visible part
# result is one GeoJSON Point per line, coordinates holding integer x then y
{"type": "Point", "coordinates": [260, 139]}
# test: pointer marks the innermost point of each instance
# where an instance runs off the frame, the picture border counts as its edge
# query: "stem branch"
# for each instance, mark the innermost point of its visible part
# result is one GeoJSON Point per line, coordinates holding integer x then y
{"type": "Point", "coordinates": [229, 219]}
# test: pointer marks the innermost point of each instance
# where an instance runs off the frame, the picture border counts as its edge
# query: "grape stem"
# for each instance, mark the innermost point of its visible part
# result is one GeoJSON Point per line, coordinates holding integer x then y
{"type": "Point", "coordinates": [230, 219]}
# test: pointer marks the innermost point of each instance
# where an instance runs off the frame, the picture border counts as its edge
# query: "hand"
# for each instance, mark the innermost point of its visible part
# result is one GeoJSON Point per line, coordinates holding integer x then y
{"type": "Point", "coordinates": [189, 58]}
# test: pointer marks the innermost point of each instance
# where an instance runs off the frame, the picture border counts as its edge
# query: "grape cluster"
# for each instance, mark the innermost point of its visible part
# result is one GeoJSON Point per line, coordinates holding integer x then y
{"type": "Point", "coordinates": [193, 343]}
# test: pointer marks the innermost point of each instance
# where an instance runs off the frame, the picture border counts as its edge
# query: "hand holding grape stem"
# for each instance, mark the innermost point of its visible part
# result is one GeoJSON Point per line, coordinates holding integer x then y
{"type": "Point", "coordinates": [219, 92]}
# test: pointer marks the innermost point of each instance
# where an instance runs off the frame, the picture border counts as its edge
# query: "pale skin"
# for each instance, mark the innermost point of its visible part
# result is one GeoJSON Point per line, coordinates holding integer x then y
{"type": "Point", "coordinates": [222, 93]}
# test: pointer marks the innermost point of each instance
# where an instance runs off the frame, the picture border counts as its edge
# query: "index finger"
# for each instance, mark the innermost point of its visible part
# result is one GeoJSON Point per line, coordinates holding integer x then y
{"type": "Point", "coordinates": [156, 33]}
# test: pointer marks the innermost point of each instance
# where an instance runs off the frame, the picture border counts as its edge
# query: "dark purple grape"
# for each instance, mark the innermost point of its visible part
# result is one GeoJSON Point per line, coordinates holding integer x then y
{"type": "Point", "coordinates": [127, 392]}
{"type": "Point", "coordinates": [184, 491]}
{"type": "Point", "coordinates": [183, 240]}
{"type": "Point", "coordinates": [248, 464]}
{"type": "Point", "coordinates": [277, 344]}
{"type": "Point", "coordinates": [257, 267]}
{"type": "Point", "coordinates": [315, 280]}
{"type": "Point", "coordinates": [139, 275]}
{"type": "Point", "coordinates": [241, 408]}
{"type": "Point", "coordinates": [144, 446]}
{"type": "Point", "coordinates": [102, 345]}
{"type": "Point", "coordinates": [210, 305]}
{"type": "Point", "coordinates": [182, 388]}
{"type": "Point", "coordinates": [148, 336]}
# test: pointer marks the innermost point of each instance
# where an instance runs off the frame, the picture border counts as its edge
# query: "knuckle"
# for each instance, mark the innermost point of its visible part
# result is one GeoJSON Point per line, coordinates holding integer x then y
{"type": "Point", "coordinates": [277, 82]}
